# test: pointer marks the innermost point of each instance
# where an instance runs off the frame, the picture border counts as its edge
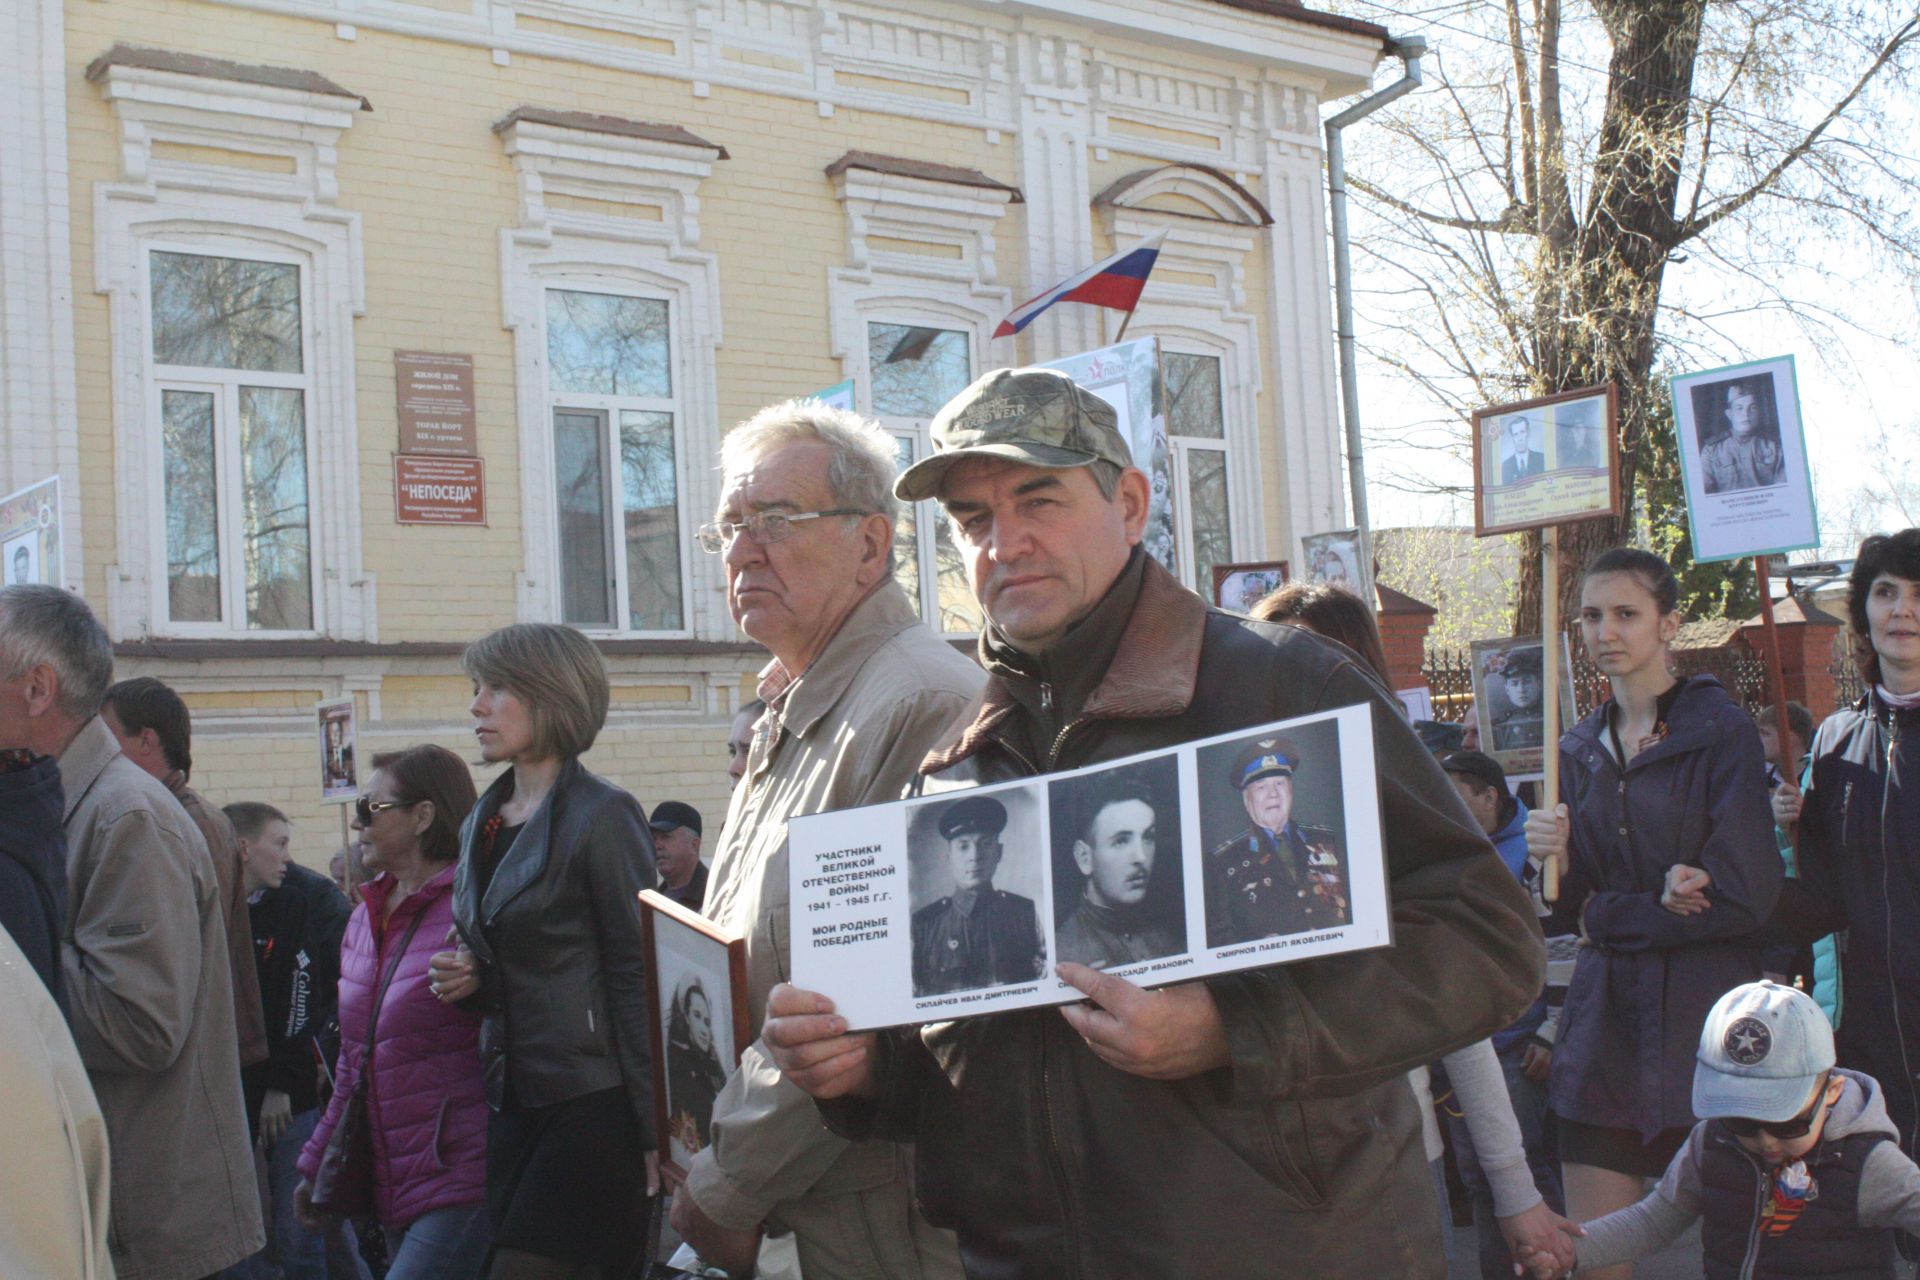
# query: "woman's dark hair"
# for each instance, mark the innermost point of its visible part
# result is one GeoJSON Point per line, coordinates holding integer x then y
{"type": "Point", "coordinates": [427, 772]}
{"type": "Point", "coordinates": [1897, 554]}
{"type": "Point", "coordinates": [1648, 569]}
{"type": "Point", "coordinates": [1333, 612]}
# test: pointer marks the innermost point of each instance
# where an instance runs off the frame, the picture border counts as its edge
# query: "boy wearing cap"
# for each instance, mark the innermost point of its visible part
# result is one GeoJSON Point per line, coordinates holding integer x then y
{"type": "Point", "coordinates": [1794, 1167]}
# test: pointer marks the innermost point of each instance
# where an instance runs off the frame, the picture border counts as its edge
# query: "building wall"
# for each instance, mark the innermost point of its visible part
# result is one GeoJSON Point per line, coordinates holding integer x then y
{"type": "Point", "coordinates": [1056, 106]}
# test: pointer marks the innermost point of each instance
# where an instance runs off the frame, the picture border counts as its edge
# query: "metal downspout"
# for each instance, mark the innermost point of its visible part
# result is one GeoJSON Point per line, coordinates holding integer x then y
{"type": "Point", "coordinates": [1409, 50]}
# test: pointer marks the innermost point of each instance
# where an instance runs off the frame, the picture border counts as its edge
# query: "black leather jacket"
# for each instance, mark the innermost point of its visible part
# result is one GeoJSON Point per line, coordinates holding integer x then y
{"type": "Point", "coordinates": [1303, 1155]}
{"type": "Point", "coordinates": [562, 966]}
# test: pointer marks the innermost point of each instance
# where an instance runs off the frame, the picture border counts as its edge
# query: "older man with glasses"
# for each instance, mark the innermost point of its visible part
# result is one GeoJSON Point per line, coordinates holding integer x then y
{"type": "Point", "coordinates": [857, 693]}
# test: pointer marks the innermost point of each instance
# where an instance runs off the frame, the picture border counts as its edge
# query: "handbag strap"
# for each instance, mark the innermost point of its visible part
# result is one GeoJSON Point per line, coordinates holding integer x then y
{"type": "Point", "coordinates": [380, 997]}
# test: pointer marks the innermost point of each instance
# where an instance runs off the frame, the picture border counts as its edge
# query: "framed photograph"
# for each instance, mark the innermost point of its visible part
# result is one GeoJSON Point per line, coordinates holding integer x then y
{"type": "Point", "coordinates": [1239, 587]}
{"type": "Point", "coordinates": [339, 776]}
{"type": "Point", "coordinates": [1119, 892]}
{"type": "Point", "coordinates": [1128, 377]}
{"type": "Point", "coordinates": [1333, 558]}
{"type": "Point", "coordinates": [977, 884]}
{"type": "Point", "coordinates": [1743, 456]}
{"type": "Point", "coordinates": [30, 535]}
{"type": "Point", "coordinates": [697, 1007]}
{"type": "Point", "coordinates": [1548, 461]}
{"type": "Point", "coordinates": [1508, 680]}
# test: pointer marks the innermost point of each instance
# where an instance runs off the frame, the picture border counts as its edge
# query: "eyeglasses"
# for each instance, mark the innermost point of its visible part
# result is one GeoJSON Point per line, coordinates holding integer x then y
{"type": "Point", "coordinates": [1781, 1130]}
{"type": "Point", "coordinates": [764, 527]}
{"type": "Point", "coordinates": [364, 809]}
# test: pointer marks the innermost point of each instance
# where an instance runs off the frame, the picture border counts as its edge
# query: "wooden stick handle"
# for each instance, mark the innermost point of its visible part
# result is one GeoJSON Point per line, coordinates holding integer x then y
{"type": "Point", "coordinates": [1550, 697]}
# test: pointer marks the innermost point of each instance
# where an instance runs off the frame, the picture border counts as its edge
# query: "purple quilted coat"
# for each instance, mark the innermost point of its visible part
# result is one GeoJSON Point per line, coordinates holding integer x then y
{"type": "Point", "coordinates": [426, 1110]}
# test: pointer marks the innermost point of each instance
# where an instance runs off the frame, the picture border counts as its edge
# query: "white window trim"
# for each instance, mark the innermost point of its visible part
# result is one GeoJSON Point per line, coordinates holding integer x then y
{"type": "Point", "coordinates": [608, 408]}
{"type": "Point", "coordinates": [228, 490]}
{"type": "Point", "coordinates": [240, 213]}
{"type": "Point", "coordinates": [609, 253]}
{"type": "Point", "coordinates": [1209, 321]}
{"type": "Point", "coordinates": [883, 285]}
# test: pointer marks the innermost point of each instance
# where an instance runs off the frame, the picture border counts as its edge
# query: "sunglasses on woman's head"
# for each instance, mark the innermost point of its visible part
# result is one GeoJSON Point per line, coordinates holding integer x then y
{"type": "Point", "coordinates": [364, 809]}
{"type": "Point", "coordinates": [1780, 1130]}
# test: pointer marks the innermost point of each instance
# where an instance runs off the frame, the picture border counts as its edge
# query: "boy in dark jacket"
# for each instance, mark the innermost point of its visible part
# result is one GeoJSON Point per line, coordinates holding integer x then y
{"type": "Point", "coordinates": [1795, 1168]}
{"type": "Point", "coordinates": [298, 918]}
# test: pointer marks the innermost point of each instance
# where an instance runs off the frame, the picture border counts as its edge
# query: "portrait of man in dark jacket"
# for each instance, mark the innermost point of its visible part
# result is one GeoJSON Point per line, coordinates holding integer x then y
{"type": "Point", "coordinates": [1120, 886]}
{"type": "Point", "coordinates": [1278, 1095]}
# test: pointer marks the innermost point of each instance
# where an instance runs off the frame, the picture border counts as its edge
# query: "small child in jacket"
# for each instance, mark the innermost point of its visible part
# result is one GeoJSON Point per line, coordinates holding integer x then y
{"type": "Point", "coordinates": [1794, 1167]}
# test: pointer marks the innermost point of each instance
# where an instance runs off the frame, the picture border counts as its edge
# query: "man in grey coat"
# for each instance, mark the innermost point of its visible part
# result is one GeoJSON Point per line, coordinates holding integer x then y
{"type": "Point", "coordinates": [857, 692]}
{"type": "Point", "coordinates": [144, 958]}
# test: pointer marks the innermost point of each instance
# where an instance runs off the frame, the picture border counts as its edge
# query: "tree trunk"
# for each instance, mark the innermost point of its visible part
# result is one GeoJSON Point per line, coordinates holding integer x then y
{"type": "Point", "coordinates": [1598, 296]}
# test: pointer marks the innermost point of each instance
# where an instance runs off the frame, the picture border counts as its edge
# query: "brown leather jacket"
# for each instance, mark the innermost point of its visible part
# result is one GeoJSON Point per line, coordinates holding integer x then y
{"type": "Point", "coordinates": [1306, 1147]}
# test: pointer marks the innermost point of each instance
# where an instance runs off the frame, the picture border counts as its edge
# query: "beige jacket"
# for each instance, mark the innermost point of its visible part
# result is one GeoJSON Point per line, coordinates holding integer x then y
{"type": "Point", "coordinates": [145, 963]}
{"type": "Point", "coordinates": [250, 1023]}
{"type": "Point", "coordinates": [850, 731]}
{"type": "Point", "coordinates": [53, 1181]}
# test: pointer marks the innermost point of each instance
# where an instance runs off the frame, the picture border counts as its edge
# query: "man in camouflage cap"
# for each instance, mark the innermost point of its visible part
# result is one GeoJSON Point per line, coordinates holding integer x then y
{"type": "Point", "coordinates": [978, 936]}
{"type": "Point", "coordinates": [1277, 876]}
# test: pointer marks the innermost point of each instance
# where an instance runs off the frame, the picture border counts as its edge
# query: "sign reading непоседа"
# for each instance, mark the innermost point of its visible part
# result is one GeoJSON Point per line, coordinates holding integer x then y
{"type": "Point", "coordinates": [435, 490]}
{"type": "Point", "coordinates": [433, 393]}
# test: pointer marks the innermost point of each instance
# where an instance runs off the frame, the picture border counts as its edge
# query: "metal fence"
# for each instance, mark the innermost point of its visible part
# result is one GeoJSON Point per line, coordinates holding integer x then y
{"type": "Point", "coordinates": [1449, 676]}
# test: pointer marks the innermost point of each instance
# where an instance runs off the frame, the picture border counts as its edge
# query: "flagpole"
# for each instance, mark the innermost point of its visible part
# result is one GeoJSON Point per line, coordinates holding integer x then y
{"type": "Point", "coordinates": [1121, 336]}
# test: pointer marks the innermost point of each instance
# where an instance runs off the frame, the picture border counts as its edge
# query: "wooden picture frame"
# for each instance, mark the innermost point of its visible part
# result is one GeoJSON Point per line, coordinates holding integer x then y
{"type": "Point", "coordinates": [1557, 485]}
{"type": "Point", "coordinates": [688, 954]}
{"type": "Point", "coordinates": [1278, 571]}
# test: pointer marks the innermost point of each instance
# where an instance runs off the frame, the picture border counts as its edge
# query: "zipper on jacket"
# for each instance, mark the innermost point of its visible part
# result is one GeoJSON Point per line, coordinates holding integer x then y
{"type": "Point", "coordinates": [1752, 1259]}
{"type": "Point", "coordinates": [1057, 1159]}
{"type": "Point", "coordinates": [1046, 696]}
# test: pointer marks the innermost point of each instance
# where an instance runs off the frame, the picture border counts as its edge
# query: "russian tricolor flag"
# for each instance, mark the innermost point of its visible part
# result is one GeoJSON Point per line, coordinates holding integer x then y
{"type": "Point", "coordinates": [1113, 282]}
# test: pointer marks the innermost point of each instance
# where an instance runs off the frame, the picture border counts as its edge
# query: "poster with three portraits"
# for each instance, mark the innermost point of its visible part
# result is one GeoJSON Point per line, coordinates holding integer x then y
{"type": "Point", "coordinates": [1248, 849]}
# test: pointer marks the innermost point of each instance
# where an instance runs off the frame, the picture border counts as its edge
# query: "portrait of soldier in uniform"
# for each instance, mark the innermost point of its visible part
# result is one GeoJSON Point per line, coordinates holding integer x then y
{"type": "Point", "coordinates": [1518, 718]}
{"type": "Point", "coordinates": [976, 936]}
{"type": "Point", "coordinates": [1117, 828]}
{"type": "Point", "coordinates": [1276, 876]}
{"type": "Point", "coordinates": [1576, 438]}
{"type": "Point", "coordinates": [1740, 436]}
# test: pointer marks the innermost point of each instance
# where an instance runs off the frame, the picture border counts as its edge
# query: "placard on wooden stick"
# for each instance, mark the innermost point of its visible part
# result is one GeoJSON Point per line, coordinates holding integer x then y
{"type": "Point", "coordinates": [1539, 464]}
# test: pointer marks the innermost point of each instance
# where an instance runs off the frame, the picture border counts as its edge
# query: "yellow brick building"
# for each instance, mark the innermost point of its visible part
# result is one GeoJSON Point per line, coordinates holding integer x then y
{"type": "Point", "coordinates": [226, 224]}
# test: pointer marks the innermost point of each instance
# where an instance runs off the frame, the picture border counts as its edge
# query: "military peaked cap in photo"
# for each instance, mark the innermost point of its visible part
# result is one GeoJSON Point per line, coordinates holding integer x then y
{"type": "Point", "coordinates": [974, 816]}
{"type": "Point", "coordinates": [1037, 416]}
{"type": "Point", "coordinates": [1522, 662]}
{"type": "Point", "coordinates": [1267, 758]}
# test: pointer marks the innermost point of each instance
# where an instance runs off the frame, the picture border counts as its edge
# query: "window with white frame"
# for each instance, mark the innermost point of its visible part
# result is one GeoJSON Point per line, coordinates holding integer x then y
{"type": "Point", "coordinates": [1197, 438]}
{"type": "Point", "coordinates": [616, 452]}
{"type": "Point", "coordinates": [912, 370]}
{"type": "Point", "coordinates": [230, 368]}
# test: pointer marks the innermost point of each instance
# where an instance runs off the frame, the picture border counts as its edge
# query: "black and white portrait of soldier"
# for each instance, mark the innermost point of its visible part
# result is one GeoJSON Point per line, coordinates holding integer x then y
{"type": "Point", "coordinates": [694, 1073]}
{"type": "Point", "coordinates": [975, 934]}
{"type": "Point", "coordinates": [1738, 427]}
{"type": "Point", "coordinates": [1116, 865]}
{"type": "Point", "coordinates": [1514, 685]}
{"type": "Point", "coordinates": [1576, 437]}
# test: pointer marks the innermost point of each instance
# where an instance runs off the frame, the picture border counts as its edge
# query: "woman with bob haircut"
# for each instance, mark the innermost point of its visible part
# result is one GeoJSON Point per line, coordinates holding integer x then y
{"type": "Point", "coordinates": [1666, 841]}
{"type": "Point", "coordinates": [552, 859]}
{"type": "Point", "coordinates": [1860, 829]}
{"type": "Point", "coordinates": [424, 1099]}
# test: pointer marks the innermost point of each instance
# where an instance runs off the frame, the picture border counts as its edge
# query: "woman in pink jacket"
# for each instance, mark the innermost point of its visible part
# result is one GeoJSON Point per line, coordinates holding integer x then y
{"type": "Point", "coordinates": [426, 1107]}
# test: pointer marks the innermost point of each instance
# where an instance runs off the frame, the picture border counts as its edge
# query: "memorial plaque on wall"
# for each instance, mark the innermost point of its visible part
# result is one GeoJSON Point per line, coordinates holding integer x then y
{"type": "Point", "coordinates": [439, 490]}
{"type": "Point", "coordinates": [434, 392]}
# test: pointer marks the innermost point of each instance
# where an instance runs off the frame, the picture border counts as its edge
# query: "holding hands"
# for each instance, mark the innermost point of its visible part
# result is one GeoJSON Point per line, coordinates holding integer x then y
{"type": "Point", "coordinates": [1541, 1242]}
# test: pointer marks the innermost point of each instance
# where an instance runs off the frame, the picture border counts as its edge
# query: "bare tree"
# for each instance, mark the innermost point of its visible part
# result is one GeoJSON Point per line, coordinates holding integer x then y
{"type": "Point", "coordinates": [1517, 223]}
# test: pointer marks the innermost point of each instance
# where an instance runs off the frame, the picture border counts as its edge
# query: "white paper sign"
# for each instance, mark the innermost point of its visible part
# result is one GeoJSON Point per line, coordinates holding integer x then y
{"type": "Point", "coordinates": [1743, 453]}
{"type": "Point", "coordinates": [1249, 849]}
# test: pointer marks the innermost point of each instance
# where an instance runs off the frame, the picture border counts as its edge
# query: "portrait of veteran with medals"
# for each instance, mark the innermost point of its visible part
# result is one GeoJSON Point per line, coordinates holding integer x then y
{"type": "Point", "coordinates": [1277, 876]}
{"type": "Point", "coordinates": [979, 936]}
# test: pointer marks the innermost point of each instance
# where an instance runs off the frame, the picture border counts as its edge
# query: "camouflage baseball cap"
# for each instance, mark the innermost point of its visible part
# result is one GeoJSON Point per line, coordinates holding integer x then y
{"type": "Point", "coordinates": [1037, 416]}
